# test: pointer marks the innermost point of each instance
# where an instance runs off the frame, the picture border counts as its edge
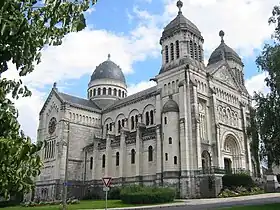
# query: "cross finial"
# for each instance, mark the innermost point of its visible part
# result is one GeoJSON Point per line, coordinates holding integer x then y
{"type": "Point", "coordinates": [54, 85]}
{"type": "Point", "coordinates": [179, 5]}
{"type": "Point", "coordinates": [222, 34]}
{"type": "Point", "coordinates": [109, 56]}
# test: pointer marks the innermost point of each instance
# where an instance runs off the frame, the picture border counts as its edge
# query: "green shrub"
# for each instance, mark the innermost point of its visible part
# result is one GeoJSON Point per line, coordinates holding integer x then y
{"type": "Point", "coordinates": [232, 181]}
{"type": "Point", "coordinates": [240, 191]}
{"type": "Point", "coordinates": [114, 193]}
{"type": "Point", "coordinates": [146, 195]}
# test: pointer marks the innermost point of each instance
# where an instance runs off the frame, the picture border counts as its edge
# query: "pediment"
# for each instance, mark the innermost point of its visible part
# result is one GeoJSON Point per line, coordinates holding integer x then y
{"type": "Point", "coordinates": [224, 75]}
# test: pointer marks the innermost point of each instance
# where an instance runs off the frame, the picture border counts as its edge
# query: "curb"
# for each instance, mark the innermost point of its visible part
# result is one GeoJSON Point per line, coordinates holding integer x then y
{"type": "Point", "coordinates": [145, 207]}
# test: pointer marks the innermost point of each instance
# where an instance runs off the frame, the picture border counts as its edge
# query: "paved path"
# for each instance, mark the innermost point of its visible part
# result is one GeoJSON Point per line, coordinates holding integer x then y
{"type": "Point", "coordinates": [214, 203]}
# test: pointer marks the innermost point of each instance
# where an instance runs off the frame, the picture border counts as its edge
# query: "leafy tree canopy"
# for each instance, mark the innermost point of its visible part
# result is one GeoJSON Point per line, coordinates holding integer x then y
{"type": "Point", "coordinates": [268, 105]}
{"type": "Point", "coordinates": [26, 26]}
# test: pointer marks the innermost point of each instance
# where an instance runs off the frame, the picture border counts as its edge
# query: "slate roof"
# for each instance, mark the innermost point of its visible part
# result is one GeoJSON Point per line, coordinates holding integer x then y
{"type": "Point", "coordinates": [79, 102]}
{"type": "Point", "coordinates": [108, 70]}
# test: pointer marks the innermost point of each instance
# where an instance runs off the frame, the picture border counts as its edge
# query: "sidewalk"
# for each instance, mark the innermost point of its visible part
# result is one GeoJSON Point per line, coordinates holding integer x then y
{"type": "Point", "coordinates": [194, 202]}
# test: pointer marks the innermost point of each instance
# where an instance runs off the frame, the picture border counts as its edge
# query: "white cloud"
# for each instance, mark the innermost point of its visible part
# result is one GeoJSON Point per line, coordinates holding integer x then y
{"type": "Point", "coordinates": [256, 84]}
{"type": "Point", "coordinates": [134, 88]}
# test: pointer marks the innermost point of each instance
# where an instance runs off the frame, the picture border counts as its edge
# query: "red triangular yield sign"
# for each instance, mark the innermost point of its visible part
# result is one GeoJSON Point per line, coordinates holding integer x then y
{"type": "Point", "coordinates": [107, 181]}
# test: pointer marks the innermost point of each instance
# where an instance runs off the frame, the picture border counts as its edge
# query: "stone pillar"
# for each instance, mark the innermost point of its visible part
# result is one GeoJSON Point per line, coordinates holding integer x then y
{"type": "Point", "coordinates": [271, 183]}
{"type": "Point", "coordinates": [139, 148]}
{"type": "Point", "coordinates": [246, 140]}
{"type": "Point", "coordinates": [122, 155]}
{"type": "Point", "coordinates": [126, 123]}
{"type": "Point", "coordinates": [140, 118]}
{"type": "Point", "coordinates": [219, 148]}
{"type": "Point", "coordinates": [188, 124]}
{"type": "Point", "coordinates": [95, 160]}
{"type": "Point", "coordinates": [108, 159]}
{"type": "Point", "coordinates": [198, 139]}
{"type": "Point", "coordinates": [159, 157]}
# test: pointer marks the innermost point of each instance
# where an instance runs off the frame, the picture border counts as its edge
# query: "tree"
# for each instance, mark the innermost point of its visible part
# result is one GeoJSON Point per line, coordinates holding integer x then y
{"type": "Point", "coordinates": [268, 105]}
{"type": "Point", "coordinates": [26, 26]}
{"type": "Point", "coordinates": [252, 132]}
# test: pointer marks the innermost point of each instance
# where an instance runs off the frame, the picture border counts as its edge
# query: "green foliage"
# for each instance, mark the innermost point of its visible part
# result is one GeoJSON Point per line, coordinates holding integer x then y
{"type": "Point", "coordinates": [268, 105]}
{"type": "Point", "coordinates": [240, 191]}
{"type": "Point", "coordinates": [114, 193]}
{"type": "Point", "coordinates": [49, 203]}
{"type": "Point", "coordinates": [252, 131]}
{"type": "Point", "coordinates": [26, 26]}
{"type": "Point", "coordinates": [232, 181]}
{"type": "Point", "coordinates": [146, 195]}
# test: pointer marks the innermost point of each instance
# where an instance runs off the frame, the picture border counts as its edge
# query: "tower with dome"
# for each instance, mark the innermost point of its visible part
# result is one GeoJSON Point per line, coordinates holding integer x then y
{"type": "Point", "coordinates": [191, 125]}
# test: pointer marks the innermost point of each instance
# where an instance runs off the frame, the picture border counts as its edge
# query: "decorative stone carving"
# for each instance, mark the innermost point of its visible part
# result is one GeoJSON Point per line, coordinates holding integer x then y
{"type": "Point", "coordinates": [227, 116]}
{"type": "Point", "coordinates": [182, 120]}
{"type": "Point", "coordinates": [131, 138]}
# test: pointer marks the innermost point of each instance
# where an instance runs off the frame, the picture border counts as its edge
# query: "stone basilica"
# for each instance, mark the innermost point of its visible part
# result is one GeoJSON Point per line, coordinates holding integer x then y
{"type": "Point", "coordinates": [192, 123]}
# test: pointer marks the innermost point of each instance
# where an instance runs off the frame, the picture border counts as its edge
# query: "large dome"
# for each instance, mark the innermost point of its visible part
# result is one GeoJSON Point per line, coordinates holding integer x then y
{"type": "Point", "coordinates": [108, 70]}
{"type": "Point", "coordinates": [180, 23]}
{"type": "Point", "coordinates": [224, 52]}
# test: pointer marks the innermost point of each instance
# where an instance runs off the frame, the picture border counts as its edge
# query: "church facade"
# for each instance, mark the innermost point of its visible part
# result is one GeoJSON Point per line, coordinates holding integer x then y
{"type": "Point", "coordinates": [191, 123]}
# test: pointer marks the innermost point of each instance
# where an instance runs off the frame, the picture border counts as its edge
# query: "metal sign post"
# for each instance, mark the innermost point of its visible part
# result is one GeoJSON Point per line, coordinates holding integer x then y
{"type": "Point", "coordinates": [106, 182]}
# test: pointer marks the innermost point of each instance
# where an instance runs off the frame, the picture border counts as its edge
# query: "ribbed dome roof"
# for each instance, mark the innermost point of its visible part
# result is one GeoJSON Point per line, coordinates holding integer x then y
{"type": "Point", "coordinates": [108, 70]}
{"type": "Point", "coordinates": [170, 106]}
{"type": "Point", "coordinates": [224, 52]}
{"type": "Point", "coordinates": [180, 22]}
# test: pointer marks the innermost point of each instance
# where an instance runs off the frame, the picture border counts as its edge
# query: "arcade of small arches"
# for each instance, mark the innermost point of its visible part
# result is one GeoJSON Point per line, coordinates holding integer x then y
{"type": "Point", "coordinates": [84, 119]}
{"type": "Point", "coordinates": [109, 91]}
{"type": "Point", "coordinates": [171, 87]}
{"type": "Point", "coordinates": [132, 121]}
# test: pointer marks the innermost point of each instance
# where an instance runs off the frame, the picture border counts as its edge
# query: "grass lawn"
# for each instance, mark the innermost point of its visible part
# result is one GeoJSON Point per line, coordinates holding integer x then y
{"type": "Point", "coordinates": [99, 204]}
{"type": "Point", "coordinates": [272, 206]}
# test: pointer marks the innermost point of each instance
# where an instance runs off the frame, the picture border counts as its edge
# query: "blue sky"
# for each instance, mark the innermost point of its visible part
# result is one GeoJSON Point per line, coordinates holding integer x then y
{"type": "Point", "coordinates": [130, 31]}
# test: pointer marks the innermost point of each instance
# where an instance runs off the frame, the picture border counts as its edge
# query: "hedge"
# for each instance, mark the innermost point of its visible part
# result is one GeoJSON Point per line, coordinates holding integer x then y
{"type": "Point", "coordinates": [232, 181]}
{"type": "Point", "coordinates": [146, 195]}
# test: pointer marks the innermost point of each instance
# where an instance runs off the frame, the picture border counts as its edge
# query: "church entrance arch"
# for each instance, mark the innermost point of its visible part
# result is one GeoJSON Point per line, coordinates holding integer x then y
{"type": "Point", "coordinates": [232, 154]}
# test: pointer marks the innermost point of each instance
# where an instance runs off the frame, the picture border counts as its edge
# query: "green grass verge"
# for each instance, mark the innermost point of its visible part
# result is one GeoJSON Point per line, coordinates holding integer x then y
{"type": "Point", "coordinates": [98, 204]}
{"type": "Point", "coordinates": [272, 206]}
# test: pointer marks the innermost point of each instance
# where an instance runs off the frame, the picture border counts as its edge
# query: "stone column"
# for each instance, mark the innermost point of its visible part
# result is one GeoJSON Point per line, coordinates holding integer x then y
{"type": "Point", "coordinates": [245, 139]}
{"type": "Point", "coordinates": [219, 146]}
{"type": "Point", "coordinates": [139, 148]}
{"type": "Point", "coordinates": [126, 123]}
{"type": "Point", "coordinates": [140, 118]}
{"type": "Point", "coordinates": [198, 139]}
{"type": "Point", "coordinates": [159, 157]}
{"type": "Point", "coordinates": [108, 157]}
{"type": "Point", "coordinates": [123, 161]}
{"type": "Point", "coordinates": [95, 160]}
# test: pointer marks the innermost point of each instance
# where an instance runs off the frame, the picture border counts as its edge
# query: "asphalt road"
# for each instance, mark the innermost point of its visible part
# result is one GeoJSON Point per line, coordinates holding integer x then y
{"type": "Point", "coordinates": [224, 204]}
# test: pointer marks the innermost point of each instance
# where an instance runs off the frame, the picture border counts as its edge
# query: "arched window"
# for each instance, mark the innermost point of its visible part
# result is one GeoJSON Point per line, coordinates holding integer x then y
{"type": "Point", "coordinates": [170, 140]}
{"type": "Point", "coordinates": [94, 92]}
{"type": "Point", "coordinates": [111, 125]}
{"type": "Point", "coordinates": [166, 54]}
{"type": "Point", "coordinates": [132, 123]}
{"type": "Point", "coordinates": [191, 48]}
{"type": "Point", "coordinates": [103, 161]}
{"type": "Point", "coordinates": [172, 51]}
{"type": "Point", "coordinates": [150, 155]}
{"type": "Point", "coordinates": [123, 94]}
{"type": "Point", "coordinates": [136, 119]}
{"type": "Point", "coordinates": [104, 91]}
{"type": "Point", "coordinates": [133, 156]}
{"type": "Point", "coordinates": [165, 120]}
{"type": "Point", "coordinates": [199, 53]}
{"type": "Point", "coordinates": [110, 91]}
{"type": "Point", "coordinates": [195, 51]}
{"type": "Point", "coordinates": [90, 93]}
{"type": "Point", "coordinates": [117, 159]}
{"type": "Point", "coordinates": [177, 49]}
{"type": "Point", "coordinates": [147, 118]}
{"type": "Point", "coordinates": [123, 123]}
{"type": "Point", "coordinates": [99, 91]}
{"type": "Point", "coordinates": [91, 163]}
{"type": "Point", "coordinates": [166, 157]}
{"type": "Point", "coordinates": [152, 117]}
{"type": "Point", "coordinates": [119, 126]}
{"type": "Point", "coordinates": [107, 127]}
{"type": "Point", "coordinates": [115, 92]}
{"type": "Point", "coordinates": [175, 160]}
{"type": "Point", "coordinates": [120, 93]}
